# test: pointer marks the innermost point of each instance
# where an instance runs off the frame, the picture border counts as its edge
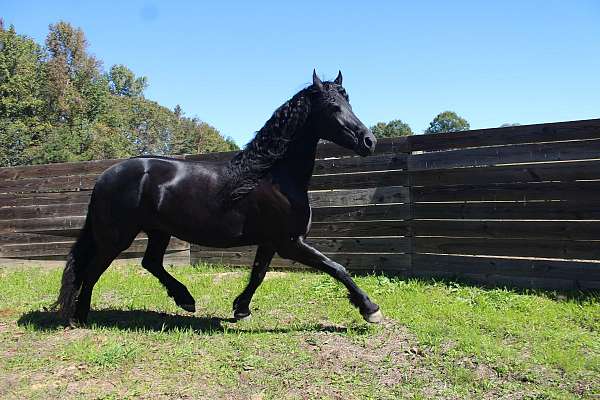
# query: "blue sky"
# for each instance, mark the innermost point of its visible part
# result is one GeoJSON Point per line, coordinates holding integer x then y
{"type": "Point", "coordinates": [232, 63]}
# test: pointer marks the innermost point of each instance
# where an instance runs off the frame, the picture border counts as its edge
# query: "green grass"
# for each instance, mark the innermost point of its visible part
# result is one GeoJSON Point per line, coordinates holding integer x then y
{"type": "Point", "coordinates": [439, 340]}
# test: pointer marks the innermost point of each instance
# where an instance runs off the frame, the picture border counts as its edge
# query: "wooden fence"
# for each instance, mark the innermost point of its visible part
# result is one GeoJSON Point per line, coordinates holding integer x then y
{"type": "Point", "coordinates": [516, 206]}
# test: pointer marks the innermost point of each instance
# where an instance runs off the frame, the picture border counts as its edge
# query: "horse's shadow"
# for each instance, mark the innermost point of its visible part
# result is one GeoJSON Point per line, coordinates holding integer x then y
{"type": "Point", "coordinates": [147, 320]}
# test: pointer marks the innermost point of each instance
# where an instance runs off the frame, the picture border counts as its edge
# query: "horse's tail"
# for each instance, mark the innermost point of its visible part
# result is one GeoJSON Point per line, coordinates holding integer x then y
{"type": "Point", "coordinates": [79, 257]}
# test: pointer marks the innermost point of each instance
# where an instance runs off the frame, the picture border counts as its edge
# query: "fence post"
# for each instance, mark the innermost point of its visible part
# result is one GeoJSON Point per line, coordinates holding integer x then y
{"type": "Point", "coordinates": [411, 213]}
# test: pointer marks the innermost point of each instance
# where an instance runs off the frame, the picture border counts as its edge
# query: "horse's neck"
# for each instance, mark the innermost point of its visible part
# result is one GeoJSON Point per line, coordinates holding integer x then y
{"type": "Point", "coordinates": [297, 166]}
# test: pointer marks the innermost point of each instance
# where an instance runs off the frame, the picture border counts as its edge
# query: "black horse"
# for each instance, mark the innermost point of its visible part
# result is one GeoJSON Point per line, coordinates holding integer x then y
{"type": "Point", "coordinates": [257, 198]}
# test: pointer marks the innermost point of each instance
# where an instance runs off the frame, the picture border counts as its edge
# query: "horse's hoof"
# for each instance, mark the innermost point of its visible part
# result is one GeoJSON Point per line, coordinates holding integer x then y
{"type": "Point", "coordinates": [241, 317]}
{"type": "Point", "coordinates": [188, 307]}
{"type": "Point", "coordinates": [374, 318]}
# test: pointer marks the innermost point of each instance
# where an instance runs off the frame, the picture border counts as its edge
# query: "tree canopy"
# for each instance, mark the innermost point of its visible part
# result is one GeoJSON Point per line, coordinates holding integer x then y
{"type": "Point", "coordinates": [393, 128]}
{"type": "Point", "coordinates": [447, 121]}
{"type": "Point", "coordinates": [58, 104]}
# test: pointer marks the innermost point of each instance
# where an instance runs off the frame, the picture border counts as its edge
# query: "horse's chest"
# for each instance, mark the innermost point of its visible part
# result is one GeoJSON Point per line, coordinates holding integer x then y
{"type": "Point", "coordinates": [278, 213]}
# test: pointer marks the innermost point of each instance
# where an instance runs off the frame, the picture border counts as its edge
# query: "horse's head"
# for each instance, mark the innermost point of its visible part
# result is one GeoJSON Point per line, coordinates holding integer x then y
{"type": "Point", "coordinates": [334, 119]}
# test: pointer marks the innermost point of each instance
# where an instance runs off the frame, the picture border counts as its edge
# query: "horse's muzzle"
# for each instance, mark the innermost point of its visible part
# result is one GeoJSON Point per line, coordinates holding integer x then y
{"type": "Point", "coordinates": [366, 146]}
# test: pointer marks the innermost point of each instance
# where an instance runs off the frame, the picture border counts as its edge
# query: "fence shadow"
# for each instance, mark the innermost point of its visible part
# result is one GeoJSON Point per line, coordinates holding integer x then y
{"type": "Point", "coordinates": [147, 320]}
{"type": "Point", "coordinates": [576, 295]}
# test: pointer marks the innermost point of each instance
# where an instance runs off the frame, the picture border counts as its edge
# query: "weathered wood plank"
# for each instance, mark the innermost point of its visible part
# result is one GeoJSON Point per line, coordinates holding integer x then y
{"type": "Point", "coordinates": [471, 210]}
{"type": "Point", "coordinates": [40, 199]}
{"type": "Point", "coordinates": [62, 248]}
{"type": "Point", "coordinates": [555, 210]}
{"type": "Point", "coordinates": [72, 183]}
{"type": "Point", "coordinates": [553, 132]}
{"type": "Point", "coordinates": [43, 211]}
{"type": "Point", "coordinates": [573, 230]}
{"type": "Point", "coordinates": [359, 229]}
{"type": "Point", "coordinates": [589, 191]}
{"type": "Point", "coordinates": [497, 280]}
{"type": "Point", "coordinates": [520, 153]}
{"type": "Point", "coordinates": [50, 236]}
{"type": "Point", "coordinates": [171, 258]}
{"type": "Point", "coordinates": [355, 197]}
{"type": "Point", "coordinates": [23, 238]}
{"type": "Point", "coordinates": [58, 169]}
{"type": "Point", "coordinates": [541, 172]}
{"type": "Point", "coordinates": [543, 248]}
{"type": "Point", "coordinates": [530, 268]}
{"type": "Point", "coordinates": [359, 180]}
{"type": "Point", "coordinates": [379, 162]}
{"type": "Point", "coordinates": [361, 213]}
{"type": "Point", "coordinates": [69, 225]}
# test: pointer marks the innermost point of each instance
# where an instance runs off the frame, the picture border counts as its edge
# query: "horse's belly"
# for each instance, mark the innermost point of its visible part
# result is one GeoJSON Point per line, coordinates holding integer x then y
{"type": "Point", "coordinates": [205, 229]}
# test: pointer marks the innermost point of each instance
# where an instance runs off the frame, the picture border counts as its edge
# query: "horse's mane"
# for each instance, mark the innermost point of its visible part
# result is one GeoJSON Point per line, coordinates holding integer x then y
{"type": "Point", "coordinates": [268, 146]}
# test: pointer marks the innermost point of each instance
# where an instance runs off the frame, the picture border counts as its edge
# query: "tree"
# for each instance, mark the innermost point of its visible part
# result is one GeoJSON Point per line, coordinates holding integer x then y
{"type": "Point", "coordinates": [195, 136]}
{"type": "Point", "coordinates": [393, 128]}
{"type": "Point", "coordinates": [77, 88]}
{"type": "Point", "coordinates": [447, 121]}
{"type": "Point", "coordinates": [57, 104]}
{"type": "Point", "coordinates": [22, 101]}
{"type": "Point", "coordinates": [122, 82]}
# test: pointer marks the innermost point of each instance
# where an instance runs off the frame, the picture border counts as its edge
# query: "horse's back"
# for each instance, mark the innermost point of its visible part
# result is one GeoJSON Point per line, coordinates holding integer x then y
{"type": "Point", "coordinates": [140, 173]}
{"type": "Point", "coordinates": [159, 193]}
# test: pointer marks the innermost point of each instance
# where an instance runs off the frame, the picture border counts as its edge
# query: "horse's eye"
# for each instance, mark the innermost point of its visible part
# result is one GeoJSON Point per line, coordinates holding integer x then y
{"type": "Point", "coordinates": [336, 108]}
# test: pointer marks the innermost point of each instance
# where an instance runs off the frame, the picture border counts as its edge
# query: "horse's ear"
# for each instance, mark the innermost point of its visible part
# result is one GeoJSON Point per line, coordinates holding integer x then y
{"type": "Point", "coordinates": [316, 81]}
{"type": "Point", "coordinates": [338, 80]}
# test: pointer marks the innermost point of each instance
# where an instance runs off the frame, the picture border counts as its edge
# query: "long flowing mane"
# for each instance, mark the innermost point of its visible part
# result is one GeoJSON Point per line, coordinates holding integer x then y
{"type": "Point", "coordinates": [268, 146]}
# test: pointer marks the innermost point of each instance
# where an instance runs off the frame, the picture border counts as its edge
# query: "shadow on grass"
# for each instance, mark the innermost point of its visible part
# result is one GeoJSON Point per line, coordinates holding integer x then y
{"type": "Point", "coordinates": [455, 281]}
{"type": "Point", "coordinates": [147, 320]}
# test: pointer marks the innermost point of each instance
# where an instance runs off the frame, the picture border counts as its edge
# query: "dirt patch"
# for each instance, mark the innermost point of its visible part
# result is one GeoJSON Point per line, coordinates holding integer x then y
{"type": "Point", "coordinates": [3, 327]}
{"type": "Point", "coordinates": [8, 312]}
{"type": "Point", "coordinates": [110, 297]}
{"type": "Point", "coordinates": [220, 276]}
{"type": "Point", "coordinates": [7, 384]}
{"type": "Point", "coordinates": [276, 274]}
{"type": "Point", "coordinates": [392, 356]}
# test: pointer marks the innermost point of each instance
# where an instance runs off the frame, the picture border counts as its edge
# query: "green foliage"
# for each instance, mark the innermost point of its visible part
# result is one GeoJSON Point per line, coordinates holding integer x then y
{"type": "Point", "coordinates": [57, 105]}
{"type": "Point", "coordinates": [447, 121]}
{"type": "Point", "coordinates": [393, 128]}
{"type": "Point", "coordinates": [124, 83]}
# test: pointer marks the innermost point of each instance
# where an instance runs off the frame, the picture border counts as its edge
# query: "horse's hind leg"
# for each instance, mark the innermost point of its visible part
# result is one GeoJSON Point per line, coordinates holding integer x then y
{"type": "Point", "coordinates": [153, 262]}
{"type": "Point", "coordinates": [241, 305]}
{"type": "Point", "coordinates": [99, 263]}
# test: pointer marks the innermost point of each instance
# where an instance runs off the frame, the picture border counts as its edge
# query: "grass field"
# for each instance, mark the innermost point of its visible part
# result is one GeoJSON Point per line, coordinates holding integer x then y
{"type": "Point", "coordinates": [439, 340]}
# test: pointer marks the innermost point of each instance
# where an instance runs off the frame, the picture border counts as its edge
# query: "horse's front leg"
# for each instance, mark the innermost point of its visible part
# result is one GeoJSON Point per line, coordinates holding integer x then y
{"type": "Point", "coordinates": [297, 250]}
{"type": "Point", "coordinates": [241, 305]}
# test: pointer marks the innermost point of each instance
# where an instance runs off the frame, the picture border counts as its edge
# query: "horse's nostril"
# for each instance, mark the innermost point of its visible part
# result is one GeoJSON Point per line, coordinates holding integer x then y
{"type": "Point", "coordinates": [368, 142]}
